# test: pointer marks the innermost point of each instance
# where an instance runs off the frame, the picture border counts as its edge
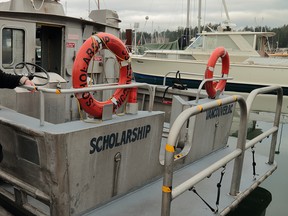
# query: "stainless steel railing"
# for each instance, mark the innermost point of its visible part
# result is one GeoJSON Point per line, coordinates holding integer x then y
{"type": "Point", "coordinates": [99, 87]}
{"type": "Point", "coordinates": [169, 194]}
{"type": "Point", "coordinates": [203, 81]}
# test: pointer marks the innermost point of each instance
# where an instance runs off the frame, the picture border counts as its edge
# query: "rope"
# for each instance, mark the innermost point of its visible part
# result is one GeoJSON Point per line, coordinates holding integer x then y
{"type": "Point", "coordinates": [219, 187]}
{"type": "Point", "coordinates": [111, 51]}
{"type": "Point", "coordinates": [218, 193]}
{"type": "Point", "coordinates": [253, 162]}
{"type": "Point", "coordinates": [210, 207]}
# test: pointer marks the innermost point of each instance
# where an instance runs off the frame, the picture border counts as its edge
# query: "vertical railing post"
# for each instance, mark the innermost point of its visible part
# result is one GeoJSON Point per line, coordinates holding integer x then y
{"type": "Point", "coordinates": [42, 108]}
{"type": "Point", "coordinates": [276, 123]}
{"type": "Point", "coordinates": [167, 181]}
{"type": "Point", "coordinates": [241, 141]}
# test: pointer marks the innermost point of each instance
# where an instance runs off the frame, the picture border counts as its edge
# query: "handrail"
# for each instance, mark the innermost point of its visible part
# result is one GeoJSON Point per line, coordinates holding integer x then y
{"type": "Point", "coordinates": [274, 130]}
{"type": "Point", "coordinates": [174, 72]}
{"type": "Point", "coordinates": [99, 87]}
{"type": "Point", "coordinates": [207, 80]}
{"type": "Point", "coordinates": [238, 154]}
{"type": "Point", "coordinates": [202, 82]}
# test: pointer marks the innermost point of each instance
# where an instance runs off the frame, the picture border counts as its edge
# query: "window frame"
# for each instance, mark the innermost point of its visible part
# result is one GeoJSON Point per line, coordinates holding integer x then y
{"type": "Point", "coordinates": [14, 56]}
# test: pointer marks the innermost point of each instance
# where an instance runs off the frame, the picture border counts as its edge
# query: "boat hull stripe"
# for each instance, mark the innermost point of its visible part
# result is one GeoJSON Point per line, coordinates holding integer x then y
{"type": "Point", "coordinates": [230, 86]}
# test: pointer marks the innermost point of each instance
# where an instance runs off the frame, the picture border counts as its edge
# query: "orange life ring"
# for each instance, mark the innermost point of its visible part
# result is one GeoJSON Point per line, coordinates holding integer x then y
{"type": "Point", "coordinates": [79, 73]}
{"type": "Point", "coordinates": [210, 86]}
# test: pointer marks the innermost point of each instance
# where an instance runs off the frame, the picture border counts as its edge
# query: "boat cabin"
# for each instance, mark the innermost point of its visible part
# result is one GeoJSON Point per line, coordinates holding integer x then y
{"type": "Point", "coordinates": [238, 44]}
{"type": "Point", "coordinates": [40, 33]}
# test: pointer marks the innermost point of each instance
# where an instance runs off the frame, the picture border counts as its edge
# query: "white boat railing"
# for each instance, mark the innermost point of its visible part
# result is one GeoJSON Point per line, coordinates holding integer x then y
{"type": "Point", "coordinates": [203, 81]}
{"type": "Point", "coordinates": [99, 87]}
{"type": "Point", "coordinates": [179, 72]}
{"type": "Point", "coordinates": [169, 194]}
{"type": "Point", "coordinates": [207, 80]}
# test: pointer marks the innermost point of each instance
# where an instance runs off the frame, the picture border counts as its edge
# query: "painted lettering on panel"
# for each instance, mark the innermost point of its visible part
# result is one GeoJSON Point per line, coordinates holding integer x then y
{"type": "Point", "coordinates": [219, 111]}
{"type": "Point", "coordinates": [117, 139]}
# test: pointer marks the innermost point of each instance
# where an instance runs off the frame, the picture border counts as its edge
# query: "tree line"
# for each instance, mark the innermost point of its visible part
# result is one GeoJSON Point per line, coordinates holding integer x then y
{"type": "Point", "coordinates": [278, 41]}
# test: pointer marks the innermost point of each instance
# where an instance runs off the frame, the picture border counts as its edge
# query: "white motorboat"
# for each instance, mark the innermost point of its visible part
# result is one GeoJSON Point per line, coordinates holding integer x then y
{"type": "Point", "coordinates": [250, 65]}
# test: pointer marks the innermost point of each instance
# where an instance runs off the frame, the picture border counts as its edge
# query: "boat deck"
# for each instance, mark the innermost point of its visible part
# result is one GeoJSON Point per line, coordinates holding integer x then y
{"type": "Point", "coordinates": [147, 200]}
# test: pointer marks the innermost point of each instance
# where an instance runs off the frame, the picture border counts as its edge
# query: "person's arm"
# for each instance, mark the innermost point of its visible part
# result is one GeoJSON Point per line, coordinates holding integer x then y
{"type": "Point", "coordinates": [12, 81]}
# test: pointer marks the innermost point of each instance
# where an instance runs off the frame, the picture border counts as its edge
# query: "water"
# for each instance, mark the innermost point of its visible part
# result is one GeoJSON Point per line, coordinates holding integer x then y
{"type": "Point", "coordinates": [277, 184]}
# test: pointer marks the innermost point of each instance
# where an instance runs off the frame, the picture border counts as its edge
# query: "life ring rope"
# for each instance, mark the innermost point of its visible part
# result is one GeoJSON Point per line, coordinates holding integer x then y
{"type": "Point", "coordinates": [213, 88]}
{"type": "Point", "coordinates": [118, 57]}
{"type": "Point", "coordinates": [91, 46]}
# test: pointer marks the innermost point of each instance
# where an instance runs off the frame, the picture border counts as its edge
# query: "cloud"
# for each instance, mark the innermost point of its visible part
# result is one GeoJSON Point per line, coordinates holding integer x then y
{"type": "Point", "coordinates": [170, 14]}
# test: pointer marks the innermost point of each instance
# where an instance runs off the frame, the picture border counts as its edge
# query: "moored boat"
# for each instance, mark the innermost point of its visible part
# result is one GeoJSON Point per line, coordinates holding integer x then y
{"type": "Point", "coordinates": [251, 67]}
{"type": "Point", "coordinates": [121, 161]}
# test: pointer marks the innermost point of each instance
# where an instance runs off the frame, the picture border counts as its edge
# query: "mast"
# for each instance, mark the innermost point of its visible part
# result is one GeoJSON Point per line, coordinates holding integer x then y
{"type": "Point", "coordinates": [188, 15]}
{"type": "Point", "coordinates": [226, 10]}
{"type": "Point", "coordinates": [199, 17]}
{"type": "Point", "coordinates": [185, 38]}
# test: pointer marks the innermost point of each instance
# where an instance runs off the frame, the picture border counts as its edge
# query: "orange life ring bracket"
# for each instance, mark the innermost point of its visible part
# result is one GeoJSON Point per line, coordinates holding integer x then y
{"type": "Point", "coordinates": [79, 73]}
{"type": "Point", "coordinates": [212, 88]}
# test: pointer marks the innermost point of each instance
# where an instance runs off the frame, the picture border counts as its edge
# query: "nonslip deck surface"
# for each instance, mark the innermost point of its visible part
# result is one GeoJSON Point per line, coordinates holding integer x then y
{"type": "Point", "coordinates": [147, 200]}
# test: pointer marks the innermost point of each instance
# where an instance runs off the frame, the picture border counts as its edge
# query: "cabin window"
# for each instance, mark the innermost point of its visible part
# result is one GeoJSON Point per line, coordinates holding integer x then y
{"type": "Point", "coordinates": [12, 47]}
{"type": "Point", "coordinates": [27, 149]}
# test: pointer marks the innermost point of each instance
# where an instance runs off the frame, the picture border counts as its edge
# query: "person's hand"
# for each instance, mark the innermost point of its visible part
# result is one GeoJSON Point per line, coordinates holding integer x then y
{"type": "Point", "coordinates": [26, 81]}
{"type": "Point", "coordinates": [29, 83]}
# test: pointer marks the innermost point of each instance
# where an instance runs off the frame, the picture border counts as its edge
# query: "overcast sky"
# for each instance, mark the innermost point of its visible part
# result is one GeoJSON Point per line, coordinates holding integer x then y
{"type": "Point", "coordinates": [169, 14]}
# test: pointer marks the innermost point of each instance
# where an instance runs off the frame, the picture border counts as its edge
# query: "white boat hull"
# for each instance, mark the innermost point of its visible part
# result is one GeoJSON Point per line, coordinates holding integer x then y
{"type": "Point", "coordinates": [246, 77]}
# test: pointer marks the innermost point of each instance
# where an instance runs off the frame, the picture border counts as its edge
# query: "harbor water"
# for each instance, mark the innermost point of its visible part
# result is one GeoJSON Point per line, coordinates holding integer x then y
{"type": "Point", "coordinates": [277, 183]}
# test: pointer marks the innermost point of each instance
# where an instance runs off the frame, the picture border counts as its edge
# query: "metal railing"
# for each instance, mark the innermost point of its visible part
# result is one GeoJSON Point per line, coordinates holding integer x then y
{"type": "Point", "coordinates": [274, 130]}
{"type": "Point", "coordinates": [207, 80]}
{"type": "Point", "coordinates": [175, 72]}
{"type": "Point", "coordinates": [169, 194]}
{"type": "Point", "coordinates": [203, 81]}
{"type": "Point", "coordinates": [99, 87]}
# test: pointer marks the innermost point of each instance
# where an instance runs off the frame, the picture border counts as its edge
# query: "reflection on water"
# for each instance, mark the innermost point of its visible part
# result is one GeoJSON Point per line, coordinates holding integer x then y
{"type": "Point", "coordinates": [277, 184]}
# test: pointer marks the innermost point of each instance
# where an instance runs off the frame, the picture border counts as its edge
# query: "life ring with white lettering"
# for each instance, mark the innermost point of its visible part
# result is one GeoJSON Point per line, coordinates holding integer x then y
{"type": "Point", "coordinates": [210, 86]}
{"type": "Point", "coordinates": [79, 73]}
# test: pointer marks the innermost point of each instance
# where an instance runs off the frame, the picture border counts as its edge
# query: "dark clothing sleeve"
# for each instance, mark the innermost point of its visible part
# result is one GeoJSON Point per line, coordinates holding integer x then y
{"type": "Point", "coordinates": [9, 80]}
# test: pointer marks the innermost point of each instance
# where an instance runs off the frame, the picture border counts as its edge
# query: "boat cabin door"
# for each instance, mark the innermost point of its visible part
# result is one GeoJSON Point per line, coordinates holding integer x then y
{"type": "Point", "coordinates": [31, 42]}
{"type": "Point", "coordinates": [49, 48]}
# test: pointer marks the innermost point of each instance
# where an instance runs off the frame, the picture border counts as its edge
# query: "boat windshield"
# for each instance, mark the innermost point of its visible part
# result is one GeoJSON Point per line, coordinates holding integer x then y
{"type": "Point", "coordinates": [198, 43]}
{"type": "Point", "coordinates": [232, 41]}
